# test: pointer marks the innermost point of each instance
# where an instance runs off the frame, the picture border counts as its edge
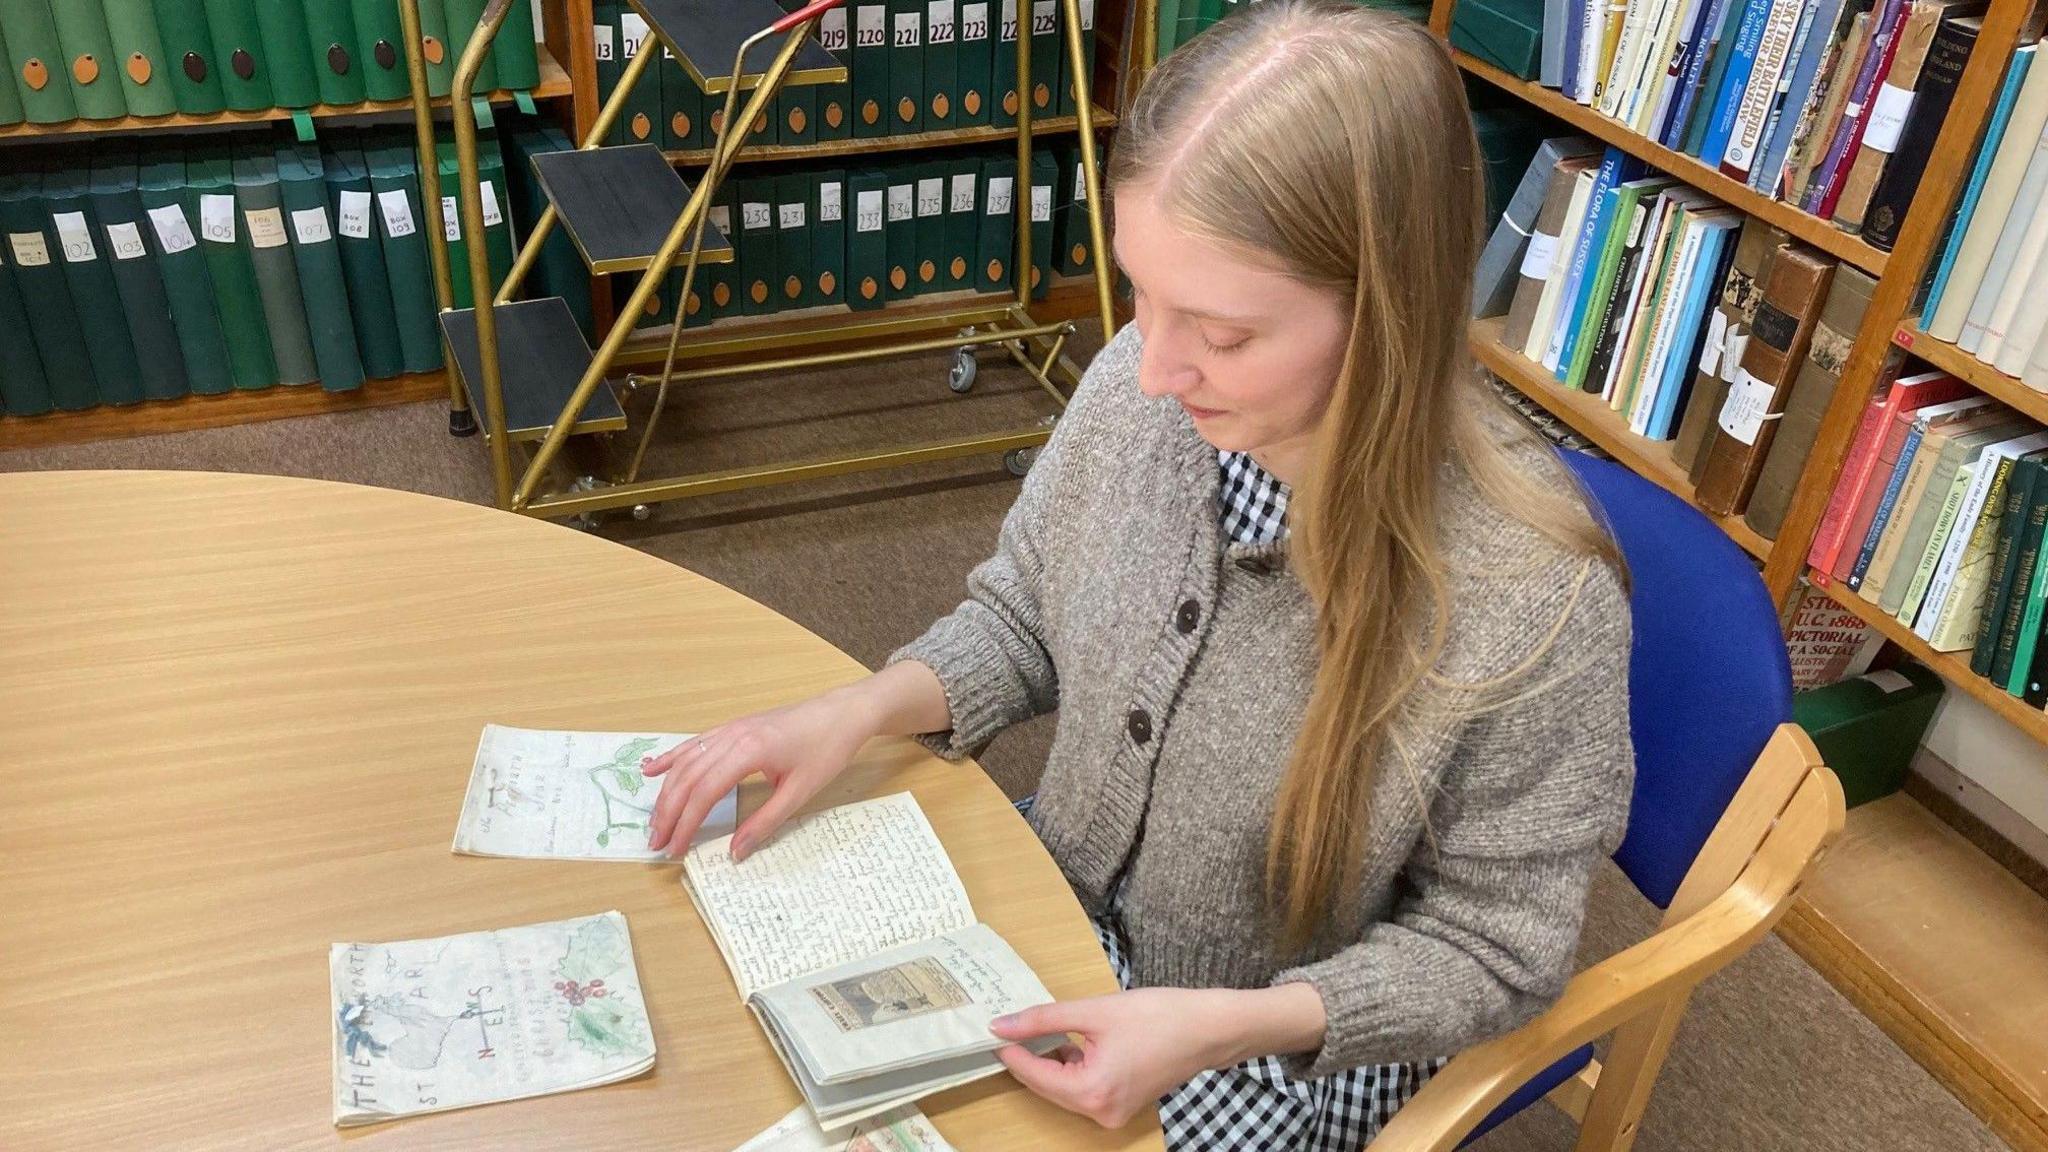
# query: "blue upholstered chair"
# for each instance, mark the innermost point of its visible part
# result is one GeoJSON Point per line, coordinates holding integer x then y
{"type": "Point", "coordinates": [1732, 807]}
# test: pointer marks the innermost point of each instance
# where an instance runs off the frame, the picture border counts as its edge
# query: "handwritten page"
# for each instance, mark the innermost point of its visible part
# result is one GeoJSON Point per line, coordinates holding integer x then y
{"type": "Point", "coordinates": [902, 1130]}
{"type": "Point", "coordinates": [832, 887]}
{"type": "Point", "coordinates": [432, 1025]}
{"type": "Point", "coordinates": [568, 796]}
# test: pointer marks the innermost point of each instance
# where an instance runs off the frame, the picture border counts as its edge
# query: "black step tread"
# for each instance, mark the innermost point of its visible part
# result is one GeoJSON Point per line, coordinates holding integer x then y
{"type": "Point", "coordinates": [541, 356]}
{"type": "Point", "coordinates": [619, 204]}
{"type": "Point", "coordinates": [706, 34]}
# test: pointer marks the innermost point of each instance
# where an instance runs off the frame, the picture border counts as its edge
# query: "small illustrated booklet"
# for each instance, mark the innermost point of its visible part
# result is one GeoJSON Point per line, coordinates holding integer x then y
{"type": "Point", "coordinates": [898, 1130]}
{"type": "Point", "coordinates": [568, 796]}
{"type": "Point", "coordinates": [851, 938]}
{"type": "Point", "coordinates": [433, 1025]}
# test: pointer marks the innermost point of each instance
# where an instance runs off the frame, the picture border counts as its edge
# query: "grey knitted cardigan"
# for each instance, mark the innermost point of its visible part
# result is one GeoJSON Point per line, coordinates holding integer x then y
{"type": "Point", "coordinates": [1180, 667]}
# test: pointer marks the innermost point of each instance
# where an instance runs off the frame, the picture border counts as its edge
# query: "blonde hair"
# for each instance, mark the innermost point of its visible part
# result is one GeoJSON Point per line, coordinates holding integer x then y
{"type": "Point", "coordinates": [1334, 141]}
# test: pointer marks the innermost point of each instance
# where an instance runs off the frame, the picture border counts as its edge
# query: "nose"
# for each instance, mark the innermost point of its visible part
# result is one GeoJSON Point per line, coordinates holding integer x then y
{"type": "Point", "coordinates": [1162, 369]}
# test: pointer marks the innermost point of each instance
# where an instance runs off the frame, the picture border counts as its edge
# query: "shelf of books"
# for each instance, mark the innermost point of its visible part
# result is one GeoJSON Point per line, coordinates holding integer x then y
{"type": "Point", "coordinates": [2007, 390]}
{"type": "Point", "coordinates": [949, 138]}
{"type": "Point", "coordinates": [189, 413]}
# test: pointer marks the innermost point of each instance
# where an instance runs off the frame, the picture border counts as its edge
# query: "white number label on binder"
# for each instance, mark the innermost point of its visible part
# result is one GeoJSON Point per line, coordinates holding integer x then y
{"type": "Point", "coordinates": [451, 219]}
{"type": "Point", "coordinates": [30, 250]}
{"type": "Point", "coordinates": [355, 215]}
{"type": "Point", "coordinates": [902, 201]}
{"type": "Point", "coordinates": [493, 215]}
{"type": "Point", "coordinates": [931, 196]}
{"type": "Point", "coordinates": [74, 235]}
{"type": "Point", "coordinates": [999, 194]}
{"type": "Point", "coordinates": [173, 231]}
{"type": "Point", "coordinates": [871, 26]}
{"type": "Point", "coordinates": [632, 34]}
{"type": "Point", "coordinates": [831, 202]}
{"type": "Point", "coordinates": [832, 30]}
{"type": "Point", "coordinates": [721, 219]}
{"type": "Point", "coordinates": [974, 21]}
{"type": "Point", "coordinates": [1087, 15]}
{"type": "Point", "coordinates": [1041, 203]}
{"type": "Point", "coordinates": [311, 226]}
{"type": "Point", "coordinates": [601, 36]}
{"type": "Point", "coordinates": [1009, 21]}
{"type": "Point", "coordinates": [938, 15]}
{"type": "Point", "coordinates": [867, 211]}
{"type": "Point", "coordinates": [1887, 118]}
{"type": "Point", "coordinates": [909, 30]}
{"type": "Point", "coordinates": [1747, 407]}
{"type": "Point", "coordinates": [755, 214]}
{"type": "Point", "coordinates": [1080, 184]}
{"type": "Point", "coordinates": [791, 215]}
{"type": "Point", "coordinates": [1041, 17]}
{"type": "Point", "coordinates": [266, 228]}
{"type": "Point", "coordinates": [217, 218]}
{"type": "Point", "coordinates": [126, 241]}
{"type": "Point", "coordinates": [963, 192]}
{"type": "Point", "coordinates": [397, 211]}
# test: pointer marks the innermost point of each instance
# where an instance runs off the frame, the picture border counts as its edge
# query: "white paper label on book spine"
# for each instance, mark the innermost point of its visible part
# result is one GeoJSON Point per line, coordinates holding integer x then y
{"type": "Point", "coordinates": [1717, 336]}
{"type": "Point", "coordinates": [126, 241]}
{"type": "Point", "coordinates": [1747, 407]}
{"type": "Point", "coordinates": [30, 250]}
{"type": "Point", "coordinates": [938, 18]}
{"type": "Point", "coordinates": [1542, 253]}
{"type": "Point", "coordinates": [963, 192]}
{"type": "Point", "coordinates": [397, 210]}
{"type": "Point", "coordinates": [1731, 352]}
{"type": "Point", "coordinates": [217, 218]}
{"type": "Point", "coordinates": [832, 30]}
{"type": "Point", "coordinates": [493, 214]}
{"type": "Point", "coordinates": [999, 194]}
{"type": "Point", "coordinates": [831, 202]}
{"type": "Point", "coordinates": [870, 25]}
{"type": "Point", "coordinates": [974, 21]}
{"type": "Point", "coordinates": [355, 215]}
{"type": "Point", "coordinates": [311, 226]}
{"type": "Point", "coordinates": [756, 214]}
{"type": "Point", "coordinates": [931, 196]}
{"type": "Point", "coordinates": [74, 235]}
{"type": "Point", "coordinates": [266, 228]}
{"type": "Point", "coordinates": [867, 210]}
{"type": "Point", "coordinates": [902, 201]}
{"type": "Point", "coordinates": [451, 219]}
{"type": "Point", "coordinates": [601, 36]}
{"type": "Point", "coordinates": [632, 32]}
{"type": "Point", "coordinates": [1041, 203]}
{"type": "Point", "coordinates": [1887, 118]}
{"type": "Point", "coordinates": [790, 215]}
{"type": "Point", "coordinates": [173, 231]}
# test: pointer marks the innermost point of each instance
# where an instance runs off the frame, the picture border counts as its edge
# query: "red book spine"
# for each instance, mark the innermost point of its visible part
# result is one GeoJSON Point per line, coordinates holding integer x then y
{"type": "Point", "coordinates": [1840, 177]}
{"type": "Point", "coordinates": [1894, 440]}
{"type": "Point", "coordinates": [1856, 470]}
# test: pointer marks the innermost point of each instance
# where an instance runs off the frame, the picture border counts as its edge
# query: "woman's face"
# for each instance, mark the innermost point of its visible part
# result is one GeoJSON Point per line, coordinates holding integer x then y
{"type": "Point", "coordinates": [1251, 353]}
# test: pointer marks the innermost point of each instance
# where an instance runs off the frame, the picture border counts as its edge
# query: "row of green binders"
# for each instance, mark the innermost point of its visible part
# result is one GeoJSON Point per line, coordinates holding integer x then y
{"type": "Point", "coordinates": [105, 59]}
{"type": "Point", "coordinates": [232, 262]}
{"type": "Point", "coordinates": [913, 66]}
{"type": "Point", "coordinates": [810, 237]}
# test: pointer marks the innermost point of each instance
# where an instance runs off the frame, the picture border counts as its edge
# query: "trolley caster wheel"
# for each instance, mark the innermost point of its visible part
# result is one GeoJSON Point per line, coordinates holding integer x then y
{"type": "Point", "coordinates": [461, 423]}
{"type": "Point", "coordinates": [642, 511]}
{"type": "Point", "coordinates": [961, 378]}
{"type": "Point", "coordinates": [585, 522]}
{"type": "Point", "coordinates": [1018, 460]}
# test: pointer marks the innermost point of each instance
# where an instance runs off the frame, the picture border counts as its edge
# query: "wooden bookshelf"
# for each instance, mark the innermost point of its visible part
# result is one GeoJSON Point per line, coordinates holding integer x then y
{"type": "Point", "coordinates": [1983, 377]}
{"type": "Point", "coordinates": [952, 138]}
{"type": "Point", "coordinates": [187, 413]}
{"type": "Point", "coordinates": [1952, 666]}
{"type": "Point", "coordinates": [1844, 246]}
{"type": "Point", "coordinates": [1590, 417]}
{"type": "Point", "coordinates": [554, 82]}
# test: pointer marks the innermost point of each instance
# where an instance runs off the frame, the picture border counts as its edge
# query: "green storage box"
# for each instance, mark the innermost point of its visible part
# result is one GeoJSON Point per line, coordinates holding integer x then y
{"type": "Point", "coordinates": [1507, 34]}
{"type": "Point", "coordinates": [1868, 727]}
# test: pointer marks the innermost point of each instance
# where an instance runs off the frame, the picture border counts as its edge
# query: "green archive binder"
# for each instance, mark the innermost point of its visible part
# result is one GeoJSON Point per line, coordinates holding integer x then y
{"type": "Point", "coordinates": [24, 390]}
{"type": "Point", "coordinates": [497, 232]}
{"type": "Point", "coordinates": [261, 205]}
{"type": "Point", "coordinates": [380, 49]}
{"type": "Point", "coordinates": [834, 119]}
{"type": "Point", "coordinates": [282, 26]}
{"type": "Point", "coordinates": [641, 118]}
{"type": "Point", "coordinates": [870, 69]}
{"type": "Point", "coordinates": [463, 17]}
{"type": "Point", "coordinates": [899, 234]}
{"type": "Point", "coordinates": [66, 191]}
{"type": "Point", "coordinates": [45, 297]}
{"type": "Point", "coordinates": [963, 180]}
{"type": "Point", "coordinates": [35, 62]}
{"type": "Point", "coordinates": [518, 58]}
{"type": "Point", "coordinates": [758, 294]}
{"type": "Point", "coordinates": [1045, 178]}
{"type": "Point", "coordinates": [1072, 243]}
{"type": "Point", "coordinates": [995, 240]}
{"type": "Point", "coordinates": [611, 64]}
{"type": "Point", "coordinates": [682, 104]}
{"type": "Point", "coordinates": [828, 239]}
{"type": "Point", "coordinates": [10, 98]}
{"type": "Point", "coordinates": [867, 249]}
{"type": "Point", "coordinates": [147, 305]}
{"type": "Point", "coordinates": [332, 42]}
{"type": "Point", "coordinates": [437, 49]}
{"type": "Point", "coordinates": [941, 66]}
{"type": "Point", "coordinates": [210, 199]}
{"type": "Point", "coordinates": [189, 56]}
{"type": "Point", "coordinates": [795, 110]}
{"type": "Point", "coordinates": [362, 258]}
{"type": "Point", "coordinates": [793, 243]}
{"type": "Point", "coordinates": [718, 284]}
{"type": "Point", "coordinates": [174, 241]}
{"type": "Point", "coordinates": [302, 186]}
{"type": "Point", "coordinates": [89, 59]}
{"type": "Point", "coordinates": [145, 71]}
{"type": "Point", "coordinates": [560, 271]}
{"type": "Point", "coordinates": [906, 67]}
{"type": "Point", "coordinates": [238, 53]}
{"type": "Point", "coordinates": [1046, 56]}
{"type": "Point", "coordinates": [1004, 98]}
{"type": "Point", "coordinates": [974, 61]}
{"type": "Point", "coordinates": [399, 219]}
{"type": "Point", "coordinates": [931, 227]}
{"type": "Point", "coordinates": [497, 208]}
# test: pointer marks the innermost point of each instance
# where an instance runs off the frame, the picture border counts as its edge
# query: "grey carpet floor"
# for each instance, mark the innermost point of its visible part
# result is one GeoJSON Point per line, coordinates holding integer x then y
{"type": "Point", "coordinates": [1770, 1057]}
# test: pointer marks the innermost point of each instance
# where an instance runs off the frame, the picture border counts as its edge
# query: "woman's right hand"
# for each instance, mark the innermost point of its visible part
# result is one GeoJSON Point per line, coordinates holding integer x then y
{"type": "Point", "coordinates": [799, 748]}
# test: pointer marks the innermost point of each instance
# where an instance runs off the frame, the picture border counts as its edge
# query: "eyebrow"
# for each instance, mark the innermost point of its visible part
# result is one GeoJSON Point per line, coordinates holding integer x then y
{"type": "Point", "coordinates": [1243, 320]}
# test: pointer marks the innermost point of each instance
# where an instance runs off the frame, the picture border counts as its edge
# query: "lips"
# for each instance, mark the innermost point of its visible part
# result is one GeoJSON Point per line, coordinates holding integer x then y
{"type": "Point", "coordinates": [1201, 413]}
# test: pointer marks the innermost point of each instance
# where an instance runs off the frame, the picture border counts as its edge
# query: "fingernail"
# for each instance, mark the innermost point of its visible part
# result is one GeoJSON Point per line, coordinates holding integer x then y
{"type": "Point", "coordinates": [1002, 1022]}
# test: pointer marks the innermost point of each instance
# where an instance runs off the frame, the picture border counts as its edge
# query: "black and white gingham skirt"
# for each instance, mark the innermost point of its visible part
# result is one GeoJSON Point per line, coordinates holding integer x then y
{"type": "Point", "coordinates": [1257, 1107]}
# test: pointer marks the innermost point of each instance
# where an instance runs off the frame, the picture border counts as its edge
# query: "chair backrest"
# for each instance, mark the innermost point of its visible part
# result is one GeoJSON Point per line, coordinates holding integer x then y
{"type": "Point", "coordinates": [1709, 679]}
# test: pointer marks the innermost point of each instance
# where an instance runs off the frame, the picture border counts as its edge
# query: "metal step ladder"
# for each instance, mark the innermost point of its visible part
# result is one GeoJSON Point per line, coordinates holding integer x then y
{"type": "Point", "coordinates": [526, 366]}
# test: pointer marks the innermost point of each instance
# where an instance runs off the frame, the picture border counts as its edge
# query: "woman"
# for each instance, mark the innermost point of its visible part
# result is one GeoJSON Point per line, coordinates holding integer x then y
{"type": "Point", "coordinates": [1339, 655]}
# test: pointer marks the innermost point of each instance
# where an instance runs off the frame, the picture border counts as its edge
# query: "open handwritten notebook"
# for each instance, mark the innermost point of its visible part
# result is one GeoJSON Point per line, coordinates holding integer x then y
{"type": "Point", "coordinates": [851, 938]}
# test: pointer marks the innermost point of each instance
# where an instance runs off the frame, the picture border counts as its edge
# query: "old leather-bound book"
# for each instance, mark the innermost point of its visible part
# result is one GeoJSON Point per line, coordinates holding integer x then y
{"type": "Point", "coordinates": [1795, 284]}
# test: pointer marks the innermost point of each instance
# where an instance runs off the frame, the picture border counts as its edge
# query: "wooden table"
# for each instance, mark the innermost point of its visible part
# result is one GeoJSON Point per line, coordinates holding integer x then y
{"type": "Point", "coordinates": [237, 715]}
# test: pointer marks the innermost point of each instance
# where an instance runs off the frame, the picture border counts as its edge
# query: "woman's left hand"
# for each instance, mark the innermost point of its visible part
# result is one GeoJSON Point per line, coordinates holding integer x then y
{"type": "Point", "coordinates": [1132, 1048]}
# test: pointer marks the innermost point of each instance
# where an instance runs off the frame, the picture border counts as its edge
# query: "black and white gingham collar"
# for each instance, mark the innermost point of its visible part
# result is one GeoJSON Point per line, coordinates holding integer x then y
{"type": "Point", "coordinates": [1251, 501]}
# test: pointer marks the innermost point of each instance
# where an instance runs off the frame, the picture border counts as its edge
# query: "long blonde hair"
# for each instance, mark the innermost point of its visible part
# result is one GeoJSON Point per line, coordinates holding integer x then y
{"type": "Point", "coordinates": [1334, 141]}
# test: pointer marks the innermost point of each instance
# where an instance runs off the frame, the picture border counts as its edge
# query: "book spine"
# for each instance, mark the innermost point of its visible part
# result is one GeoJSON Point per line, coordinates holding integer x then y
{"type": "Point", "coordinates": [1792, 94]}
{"type": "Point", "coordinates": [2020, 595]}
{"type": "Point", "coordinates": [1891, 105]}
{"type": "Point", "coordinates": [1935, 92]}
{"type": "Point", "coordinates": [1582, 299]}
{"type": "Point", "coordinates": [2007, 253]}
{"type": "Point", "coordinates": [1734, 85]}
{"type": "Point", "coordinates": [1795, 286]}
{"type": "Point", "coordinates": [1699, 52]}
{"type": "Point", "coordinates": [1953, 626]}
{"type": "Point", "coordinates": [1841, 154]}
{"type": "Point", "coordinates": [1773, 49]}
{"type": "Point", "coordinates": [1989, 479]}
{"type": "Point", "coordinates": [1937, 543]}
{"type": "Point", "coordinates": [2029, 635]}
{"type": "Point", "coordinates": [1589, 224]}
{"type": "Point", "coordinates": [1685, 46]}
{"type": "Point", "coordinates": [2004, 557]}
{"type": "Point", "coordinates": [1856, 469]}
{"type": "Point", "coordinates": [1987, 150]}
{"type": "Point", "coordinates": [1886, 504]}
{"type": "Point", "coordinates": [1824, 109]}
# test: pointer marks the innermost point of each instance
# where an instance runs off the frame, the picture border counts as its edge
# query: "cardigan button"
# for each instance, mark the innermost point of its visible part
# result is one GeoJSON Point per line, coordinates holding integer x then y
{"type": "Point", "coordinates": [1140, 725]}
{"type": "Point", "coordinates": [1189, 615]}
